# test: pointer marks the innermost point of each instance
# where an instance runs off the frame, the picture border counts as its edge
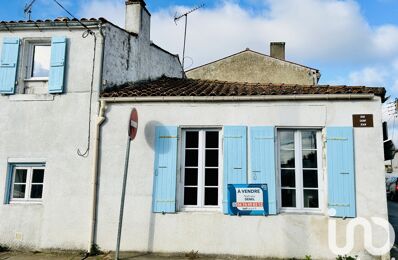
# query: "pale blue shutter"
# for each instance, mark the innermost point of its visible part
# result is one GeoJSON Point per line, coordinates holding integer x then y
{"type": "Point", "coordinates": [9, 65]}
{"type": "Point", "coordinates": [57, 69]}
{"type": "Point", "coordinates": [165, 180]}
{"type": "Point", "coordinates": [9, 177]}
{"type": "Point", "coordinates": [341, 171]}
{"type": "Point", "coordinates": [262, 157]}
{"type": "Point", "coordinates": [235, 159]}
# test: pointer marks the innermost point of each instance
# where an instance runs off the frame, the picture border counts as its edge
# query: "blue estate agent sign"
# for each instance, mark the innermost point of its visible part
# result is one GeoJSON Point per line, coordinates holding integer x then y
{"type": "Point", "coordinates": [248, 199]}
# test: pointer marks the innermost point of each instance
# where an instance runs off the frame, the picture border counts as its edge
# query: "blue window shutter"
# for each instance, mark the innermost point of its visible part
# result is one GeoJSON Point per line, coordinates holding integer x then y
{"type": "Point", "coordinates": [57, 65]}
{"type": "Point", "coordinates": [262, 158]}
{"type": "Point", "coordinates": [341, 171]}
{"type": "Point", "coordinates": [7, 195]}
{"type": "Point", "coordinates": [165, 179]}
{"type": "Point", "coordinates": [9, 65]}
{"type": "Point", "coordinates": [235, 159]}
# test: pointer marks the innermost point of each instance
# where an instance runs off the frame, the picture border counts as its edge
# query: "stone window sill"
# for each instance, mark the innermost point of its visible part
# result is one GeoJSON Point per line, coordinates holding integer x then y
{"type": "Point", "coordinates": [31, 97]}
{"type": "Point", "coordinates": [36, 80]}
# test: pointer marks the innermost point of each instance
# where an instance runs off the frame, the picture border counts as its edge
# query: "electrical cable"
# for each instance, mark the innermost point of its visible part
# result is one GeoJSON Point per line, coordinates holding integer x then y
{"type": "Point", "coordinates": [85, 35]}
{"type": "Point", "coordinates": [85, 154]}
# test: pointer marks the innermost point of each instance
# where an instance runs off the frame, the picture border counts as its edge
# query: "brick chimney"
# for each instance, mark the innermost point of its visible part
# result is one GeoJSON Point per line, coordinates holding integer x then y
{"type": "Point", "coordinates": [138, 18]}
{"type": "Point", "coordinates": [277, 50]}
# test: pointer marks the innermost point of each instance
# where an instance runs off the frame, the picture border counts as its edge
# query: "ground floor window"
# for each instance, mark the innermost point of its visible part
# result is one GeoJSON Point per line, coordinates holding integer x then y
{"type": "Point", "coordinates": [27, 183]}
{"type": "Point", "coordinates": [299, 168]}
{"type": "Point", "coordinates": [201, 168]}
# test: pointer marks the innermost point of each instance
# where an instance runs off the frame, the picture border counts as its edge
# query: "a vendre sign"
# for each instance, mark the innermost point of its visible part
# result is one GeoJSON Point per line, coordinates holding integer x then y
{"type": "Point", "coordinates": [248, 199]}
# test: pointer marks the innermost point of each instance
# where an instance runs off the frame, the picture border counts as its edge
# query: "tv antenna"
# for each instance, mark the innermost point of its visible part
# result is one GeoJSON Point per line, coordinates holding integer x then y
{"type": "Point", "coordinates": [176, 19]}
{"type": "Point", "coordinates": [28, 9]}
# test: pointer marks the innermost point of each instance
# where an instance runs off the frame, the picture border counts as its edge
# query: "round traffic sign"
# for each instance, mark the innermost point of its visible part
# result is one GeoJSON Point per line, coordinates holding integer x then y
{"type": "Point", "coordinates": [133, 124]}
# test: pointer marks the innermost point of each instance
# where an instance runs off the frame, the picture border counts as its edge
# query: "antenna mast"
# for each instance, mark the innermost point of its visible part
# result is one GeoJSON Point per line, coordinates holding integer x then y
{"type": "Point", "coordinates": [28, 9]}
{"type": "Point", "coordinates": [176, 18]}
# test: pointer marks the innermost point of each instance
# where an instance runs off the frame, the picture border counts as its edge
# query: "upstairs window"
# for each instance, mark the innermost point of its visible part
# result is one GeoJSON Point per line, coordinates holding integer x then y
{"type": "Point", "coordinates": [201, 169]}
{"type": "Point", "coordinates": [33, 65]}
{"type": "Point", "coordinates": [38, 60]}
{"type": "Point", "coordinates": [300, 167]}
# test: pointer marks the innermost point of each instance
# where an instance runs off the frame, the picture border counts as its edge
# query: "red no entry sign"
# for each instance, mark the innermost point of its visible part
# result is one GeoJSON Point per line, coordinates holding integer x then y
{"type": "Point", "coordinates": [133, 126]}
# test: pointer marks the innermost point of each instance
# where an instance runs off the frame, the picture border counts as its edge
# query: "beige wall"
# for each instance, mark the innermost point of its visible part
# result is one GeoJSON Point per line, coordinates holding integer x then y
{"type": "Point", "coordinates": [252, 67]}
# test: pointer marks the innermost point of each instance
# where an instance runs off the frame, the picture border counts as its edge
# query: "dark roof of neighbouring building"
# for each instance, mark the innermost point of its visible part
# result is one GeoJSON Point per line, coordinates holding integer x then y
{"type": "Point", "coordinates": [174, 87]}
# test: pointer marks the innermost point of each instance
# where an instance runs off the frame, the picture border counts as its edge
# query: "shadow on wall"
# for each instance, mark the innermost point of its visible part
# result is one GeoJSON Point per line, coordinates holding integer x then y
{"type": "Point", "coordinates": [149, 132]}
{"type": "Point", "coordinates": [150, 137]}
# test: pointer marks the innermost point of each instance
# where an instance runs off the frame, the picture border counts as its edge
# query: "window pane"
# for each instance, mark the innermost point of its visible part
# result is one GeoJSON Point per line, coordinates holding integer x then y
{"type": "Point", "coordinates": [36, 191]}
{"type": "Point", "coordinates": [192, 140]}
{"type": "Point", "coordinates": [20, 176]}
{"type": "Point", "coordinates": [288, 178]}
{"type": "Point", "coordinates": [211, 177]}
{"type": "Point", "coordinates": [288, 198]}
{"type": "Point", "coordinates": [191, 177]}
{"type": "Point", "coordinates": [211, 139]}
{"type": "Point", "coordinates": [190, 196]}
{"type": "Point", "coordinates": [287, 139]}
{"type": "Point", "coordinates": [308, 139]}
{"type": "Point", "coordinates": [311, 199]}
{"type": "Point", "coordinates": [310, 179]}
{"type": "Point", "coordinates": [19, 191]}
{"type": "Point", "coordinates": [191, 157]}
{"type": "Point", "coordinates": [211, 196]}
{"type": "Point", "coordinates": [41, 61]}
{"type": "Point", "coordinates": [212, 158]}
{"type": "Point", "coordinates": [287, 159]}
{"type": "Point", "coordinates": [38, 176]}
{"type": "Point", "coordinates": [309, 159]}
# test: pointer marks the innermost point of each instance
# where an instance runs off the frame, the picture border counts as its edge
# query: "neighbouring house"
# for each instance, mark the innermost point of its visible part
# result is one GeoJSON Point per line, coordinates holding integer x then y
{"type": "Point", "coordinates": [196, 137]}
{"type": "Point", "coordinates": [51, 74]}
{"type": "Point", "coordinates": [314, 153]}
{"type": "Point", "coordinates": [254, 67]}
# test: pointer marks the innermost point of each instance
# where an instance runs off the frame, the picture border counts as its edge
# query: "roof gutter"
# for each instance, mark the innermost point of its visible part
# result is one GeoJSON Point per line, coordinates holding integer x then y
{"type": "Point", "coordinates": [239, 98]}
{"type": "Point", "coordinates": [47, 26]}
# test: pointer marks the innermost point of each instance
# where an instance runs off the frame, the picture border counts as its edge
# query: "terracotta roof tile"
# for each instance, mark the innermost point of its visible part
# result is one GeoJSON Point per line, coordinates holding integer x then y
{"type": "Point", "coordinates": [173, 87]}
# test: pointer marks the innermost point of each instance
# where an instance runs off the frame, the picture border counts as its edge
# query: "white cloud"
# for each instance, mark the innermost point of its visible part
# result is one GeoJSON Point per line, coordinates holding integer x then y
{"type": "Point", "coordinates": [395, 86]}
{"type": "Point", "coordinates": [368, 76]}
{"type": "Point", "coordinates": [329, 30]}
{"type": "Point", "coordinates": [109, 9]}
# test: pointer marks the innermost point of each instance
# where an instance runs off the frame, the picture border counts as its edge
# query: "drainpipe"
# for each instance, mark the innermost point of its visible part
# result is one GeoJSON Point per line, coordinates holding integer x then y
{"type": "Point", "coordinates": [99, 120]}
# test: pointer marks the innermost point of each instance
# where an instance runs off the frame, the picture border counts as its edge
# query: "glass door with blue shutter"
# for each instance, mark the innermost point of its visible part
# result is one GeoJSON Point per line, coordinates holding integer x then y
{"type": "Point", "coordinates": [300, 169]}
{"type": "Point", "coordinates": [201, 169]}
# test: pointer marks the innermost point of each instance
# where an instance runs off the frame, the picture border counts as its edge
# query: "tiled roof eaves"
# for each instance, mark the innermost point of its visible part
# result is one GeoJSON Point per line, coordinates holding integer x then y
{"type": "Point", "coordinates": [175, 87]}
{"type": "Point", "coordinates": [59, 22]}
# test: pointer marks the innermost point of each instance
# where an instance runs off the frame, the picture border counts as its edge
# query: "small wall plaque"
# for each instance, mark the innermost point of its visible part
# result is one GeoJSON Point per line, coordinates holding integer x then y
{"type": "Point", "coordinates": [363, 120]}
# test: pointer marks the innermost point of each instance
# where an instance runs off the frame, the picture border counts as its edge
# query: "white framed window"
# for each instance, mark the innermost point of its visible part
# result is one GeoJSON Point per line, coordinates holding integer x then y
{"type": "Point", "coordinates": [300, 169]}
{"type": "Point", "coordinates": [27, 184]}
{"type": "Point", "coordinates": [38, 59]}
{"type": "Point", "coordinates": [200, 186]}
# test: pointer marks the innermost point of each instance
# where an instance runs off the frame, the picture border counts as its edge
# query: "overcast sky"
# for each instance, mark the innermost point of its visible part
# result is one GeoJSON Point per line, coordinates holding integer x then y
{"type": "Point", "coordinates": [351, 42]}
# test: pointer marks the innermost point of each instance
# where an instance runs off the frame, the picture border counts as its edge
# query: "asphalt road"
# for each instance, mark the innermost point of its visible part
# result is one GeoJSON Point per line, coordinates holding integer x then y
{"type": "Point", "coordinates": [393, 217]}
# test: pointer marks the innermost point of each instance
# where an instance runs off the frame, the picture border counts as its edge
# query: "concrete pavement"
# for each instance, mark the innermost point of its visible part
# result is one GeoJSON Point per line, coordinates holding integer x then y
{"type": "Point", "coordinates": [108, 256]}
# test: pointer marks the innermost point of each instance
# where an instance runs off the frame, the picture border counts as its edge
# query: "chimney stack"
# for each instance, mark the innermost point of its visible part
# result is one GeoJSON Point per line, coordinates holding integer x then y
{"type": "Point", "coordinates": [278, 50]}
{"type": "Point", "coordinates": [138, 18]}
